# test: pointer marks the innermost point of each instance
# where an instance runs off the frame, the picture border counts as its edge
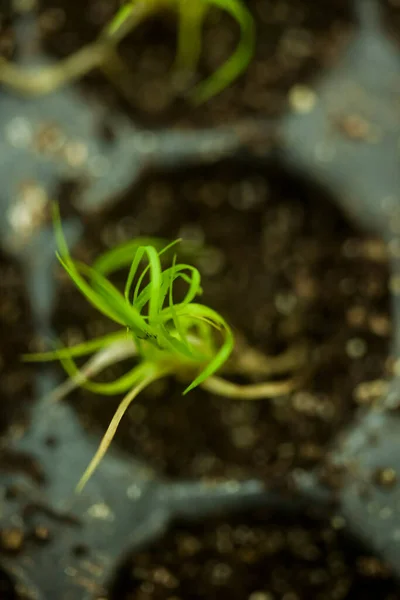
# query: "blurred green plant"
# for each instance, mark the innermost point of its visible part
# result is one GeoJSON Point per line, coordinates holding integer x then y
{"type": "Point", "coordinates": [191, 14]}
{"type": "Point", "coordinates": [181, 338]}
{"type": "Point", "coordinates": [102, 53]}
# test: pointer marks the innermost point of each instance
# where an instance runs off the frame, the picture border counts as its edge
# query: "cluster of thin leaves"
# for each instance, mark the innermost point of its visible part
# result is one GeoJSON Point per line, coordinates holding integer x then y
{"type": "Point", "coordinates": [191, 15]}
{"type": "Point", "coordinates": [168, 337]}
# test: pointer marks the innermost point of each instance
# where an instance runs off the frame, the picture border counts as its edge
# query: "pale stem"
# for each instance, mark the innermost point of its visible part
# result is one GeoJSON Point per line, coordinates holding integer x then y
{"type": "Point", "coordinates": [44, 80]}
{"type": "Point", "coordinates": [115, 352]}
{"type": "Point", "coordinates": [191, 19]}
{"type": "Point", "coordinates": [257, 391]}
{"type": "Point", "coordinates": [153, 375]}
{"type": "Point", "coordinates": [252, 362]}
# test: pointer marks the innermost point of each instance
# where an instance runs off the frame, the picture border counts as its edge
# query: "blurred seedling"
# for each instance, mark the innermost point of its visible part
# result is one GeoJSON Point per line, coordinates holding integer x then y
{"type": "Point", "coordinates": [103, 53]}
{"type": "Point", "coordinates": [184, 339]}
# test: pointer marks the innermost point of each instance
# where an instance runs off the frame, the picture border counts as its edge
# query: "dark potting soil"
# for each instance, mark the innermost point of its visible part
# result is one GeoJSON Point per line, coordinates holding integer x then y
{"type": "Point", "coordinates": [264, 557]}
{"type": "Point", "coordinates": [282, 265]}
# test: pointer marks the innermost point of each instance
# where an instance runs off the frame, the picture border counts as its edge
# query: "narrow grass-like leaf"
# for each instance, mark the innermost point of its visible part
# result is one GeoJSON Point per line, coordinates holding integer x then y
{"type": "Point", "coordinates": [199, 311]}
{"type": "Point", "coordinates": [191, 18]}
{"type": "Point", "coordinates": [122, 256]}
{"type": "Point", "coordinates": [148, 373]}
{"type": "Point", "coordinates": [120, 18]}
{"type": "Point", "coordinates": [78, 350]}
{"type": "Point", "coordinates": [193, 280]}
{"type": "Point", "coordinates": [238, 61]}
{"type": "Point", "coordinates": [115, 302]}
{"type": "Point", "coordinates": [112, 388]}
{"type": "Point", "coordinates": [174, 315]}
{"type": "Point", "coordinates": [155, 279]}
{"type": "Point", "coordinates": [90, 294]}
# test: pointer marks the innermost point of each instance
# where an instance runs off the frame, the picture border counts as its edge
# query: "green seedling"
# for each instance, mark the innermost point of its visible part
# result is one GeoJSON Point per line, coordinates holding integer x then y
{"type": "Point", "coordinates": [163, 336]}
{"type": "Point", "coordinates": [103, 54]}
{"type": "Point", "coordinates": [191, 14]}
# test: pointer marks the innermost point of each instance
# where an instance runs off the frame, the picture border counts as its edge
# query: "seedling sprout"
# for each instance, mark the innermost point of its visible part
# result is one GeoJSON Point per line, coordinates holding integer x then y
{"type": "Point", "coordinates": [191, 15]}
{"type": "Point", "coordinates": [184, 338]}
{"type": "Point", "coordinates": [103, 54]}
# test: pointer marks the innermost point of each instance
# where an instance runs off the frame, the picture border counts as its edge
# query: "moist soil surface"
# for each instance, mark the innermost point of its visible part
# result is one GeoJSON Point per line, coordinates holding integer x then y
{"type": "Point", "coordinates": [281, 264]}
